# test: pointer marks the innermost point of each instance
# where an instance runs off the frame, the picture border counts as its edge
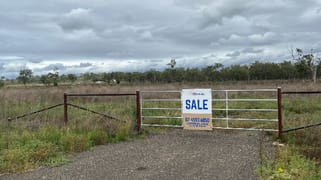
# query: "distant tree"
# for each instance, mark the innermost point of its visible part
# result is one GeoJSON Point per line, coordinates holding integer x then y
{"type": "Point", "coordinates": [264, 71]}
{"type": "Point", "coordinates": [51, 77]}
{"type": "Point", "coordinates": [309, 60]}
{"type": "Point", "coordinates": [24, 75]}
{"type": "Point", "coordinates": [167, 76]}
{"type": "Point", "coordinates": [2, 81]}
{"type": "Point", "coordinates": [63, 78]}
{"type": "Point", "coordinates": [288, 70]}
{"type": "Point", "coordinates": [194, 75]}
{"type": "Point", "coordinates": [72, 77]}
{"type": "Point", "coordinates": [151, 75]}
{"type": "Point", "coordinates": [106, 77]}
{"type": "Point", "coordinates": [212, 73]}
{"type": "Point", "coordinates": [45, 80]}
{"type": "Point", "coordinates": [235, 73]}
{"type": "Point", "coordinates": [87, 76]}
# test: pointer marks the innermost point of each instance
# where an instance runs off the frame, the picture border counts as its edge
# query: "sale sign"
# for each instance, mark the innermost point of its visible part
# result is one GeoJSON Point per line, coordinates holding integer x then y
{"type": "Point", "coordinates": [197, 109]}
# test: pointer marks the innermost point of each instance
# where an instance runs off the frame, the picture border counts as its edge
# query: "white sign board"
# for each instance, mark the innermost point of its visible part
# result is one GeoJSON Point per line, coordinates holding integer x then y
{"type": "Point", "coordinates": [197, 109]}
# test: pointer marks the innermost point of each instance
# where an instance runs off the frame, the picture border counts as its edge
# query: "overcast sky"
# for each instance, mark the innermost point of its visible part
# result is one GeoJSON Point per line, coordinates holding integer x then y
{"type": "Point", "coordinates": [78, 36]}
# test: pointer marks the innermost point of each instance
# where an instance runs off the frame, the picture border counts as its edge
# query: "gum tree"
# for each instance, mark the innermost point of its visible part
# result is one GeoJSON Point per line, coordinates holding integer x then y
{"type": "Point", "coordinates": [24, 75]}
{"type": "Point", "coordinates": [310, 60]}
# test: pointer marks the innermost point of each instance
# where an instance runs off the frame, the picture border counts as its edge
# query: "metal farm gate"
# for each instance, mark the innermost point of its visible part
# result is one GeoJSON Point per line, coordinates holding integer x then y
{"type": "Point", "coordinates": [257, 109]}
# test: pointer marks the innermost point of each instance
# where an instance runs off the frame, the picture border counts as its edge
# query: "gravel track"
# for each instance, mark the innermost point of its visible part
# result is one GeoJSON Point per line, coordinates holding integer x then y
{"type": "Point", "coordinates": [175, 154]}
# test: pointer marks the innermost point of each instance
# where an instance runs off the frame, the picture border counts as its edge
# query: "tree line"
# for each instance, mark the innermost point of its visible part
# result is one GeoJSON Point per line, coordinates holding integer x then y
{"type": "Point", "coordinates": [285, 70]}
{"type": "Point", "coordinates": [303, 66]}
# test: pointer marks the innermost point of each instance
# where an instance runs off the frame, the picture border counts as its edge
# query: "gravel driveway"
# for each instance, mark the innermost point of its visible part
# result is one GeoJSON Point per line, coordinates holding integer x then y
{"type": "Point", "coordinates": [175, 154]}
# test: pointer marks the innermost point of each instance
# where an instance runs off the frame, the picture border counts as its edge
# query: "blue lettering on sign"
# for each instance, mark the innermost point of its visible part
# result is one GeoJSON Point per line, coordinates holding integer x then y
{"type": "Point", "coordinates": [187, 119]}
{"type": "Point", "coordinates": [196, 104]}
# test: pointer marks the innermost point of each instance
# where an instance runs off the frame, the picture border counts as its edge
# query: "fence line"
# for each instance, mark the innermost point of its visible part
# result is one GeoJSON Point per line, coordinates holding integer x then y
{"type": "Point", "coordinates": [305, 126]}
{"type": "Point", "coordinates": [66, 95]}
{"type": "Point", "coordinates": [35, 112]}
{"type": "Point", "coordinates": [302, 127]}
{"type": "Point", "coordinates": [140, 100]}
{"type": "Point", "coordinates": [95, 112]}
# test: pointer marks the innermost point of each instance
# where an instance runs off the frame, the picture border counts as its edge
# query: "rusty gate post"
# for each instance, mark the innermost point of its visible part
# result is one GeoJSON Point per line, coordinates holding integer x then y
{"type": "Point", "coordinates": [138, 113]}
{"type": "Point", "coordinates": [280, 128]}
{"type": "Point", "coordinates": [65, 109]}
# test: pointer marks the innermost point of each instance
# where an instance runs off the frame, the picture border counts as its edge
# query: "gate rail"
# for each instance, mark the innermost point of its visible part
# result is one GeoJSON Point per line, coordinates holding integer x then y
{"type": "Point", "coordinates": [142, 108]}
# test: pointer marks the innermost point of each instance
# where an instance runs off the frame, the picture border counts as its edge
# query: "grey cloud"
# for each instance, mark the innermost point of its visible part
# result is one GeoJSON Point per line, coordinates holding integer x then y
{"type": "Point", "coordinates": [76, 19]}
{"type": "Point", "coordinates": [142, 30]}
{"type": "Point", "coordinates": [218, 10]}
{"type": "Point", "coordinates": [35, 61]}
{"type": "Point", "coordinates": [58, 66]}
{"type": "Point", "coordinates": [252, 50]}
{"type": "Point", "coordinates": [155, 60]}
{"type": "Point", "coordinates": [85, 64]}
{"type": "Point", "coordinates": [233, 54]}
{"type": "Point", "coordinates": [245, 51]}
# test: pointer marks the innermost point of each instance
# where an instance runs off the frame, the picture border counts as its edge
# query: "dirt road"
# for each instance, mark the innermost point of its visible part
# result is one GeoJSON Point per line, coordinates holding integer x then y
{"type": "Point", "coordinates": [176, 154]}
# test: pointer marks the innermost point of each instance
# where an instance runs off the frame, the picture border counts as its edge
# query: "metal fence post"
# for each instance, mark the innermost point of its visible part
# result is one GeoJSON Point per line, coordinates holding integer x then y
{"type": "Point", "coordinates": [280, 128]}
{"type": "Point", "coordinates": [226, 109]}
{"type": "Point", "coordinates": [65, 109]}
{"type": "Point", "coordinates": [138, 113]}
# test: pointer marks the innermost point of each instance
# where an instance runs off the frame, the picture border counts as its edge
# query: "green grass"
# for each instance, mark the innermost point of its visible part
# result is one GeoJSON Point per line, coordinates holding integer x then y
{"type": "Point", "coordinates": [291, 165]}
{"type": "Point", "coordinates": [42, 139]}
{"type": "Point", "coordinates": [49, 146]}
{"type": "Point", "coordinates": [301, 158]}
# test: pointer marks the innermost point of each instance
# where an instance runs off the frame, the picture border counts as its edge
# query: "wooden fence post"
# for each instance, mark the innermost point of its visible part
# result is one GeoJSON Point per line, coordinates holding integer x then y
{"type": "Point", "coordinates": [138, 113]}
{"type": "Point", "coordinates": [65, 109]}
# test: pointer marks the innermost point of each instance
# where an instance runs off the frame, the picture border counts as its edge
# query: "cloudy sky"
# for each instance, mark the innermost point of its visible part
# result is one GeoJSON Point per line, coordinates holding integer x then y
{"type": "Point", "coordinates": [78, 36]}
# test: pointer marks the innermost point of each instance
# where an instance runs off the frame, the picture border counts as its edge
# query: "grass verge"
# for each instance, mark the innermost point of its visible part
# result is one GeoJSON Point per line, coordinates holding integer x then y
{"type": "Point", "coordinates": [23, 149]}
{"type": "Point", "coordinates": [289, 164]}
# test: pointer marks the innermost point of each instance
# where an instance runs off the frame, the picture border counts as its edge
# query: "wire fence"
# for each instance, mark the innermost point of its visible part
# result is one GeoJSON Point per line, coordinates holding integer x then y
{"type": "Point", "coordinates": [254, 109]}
